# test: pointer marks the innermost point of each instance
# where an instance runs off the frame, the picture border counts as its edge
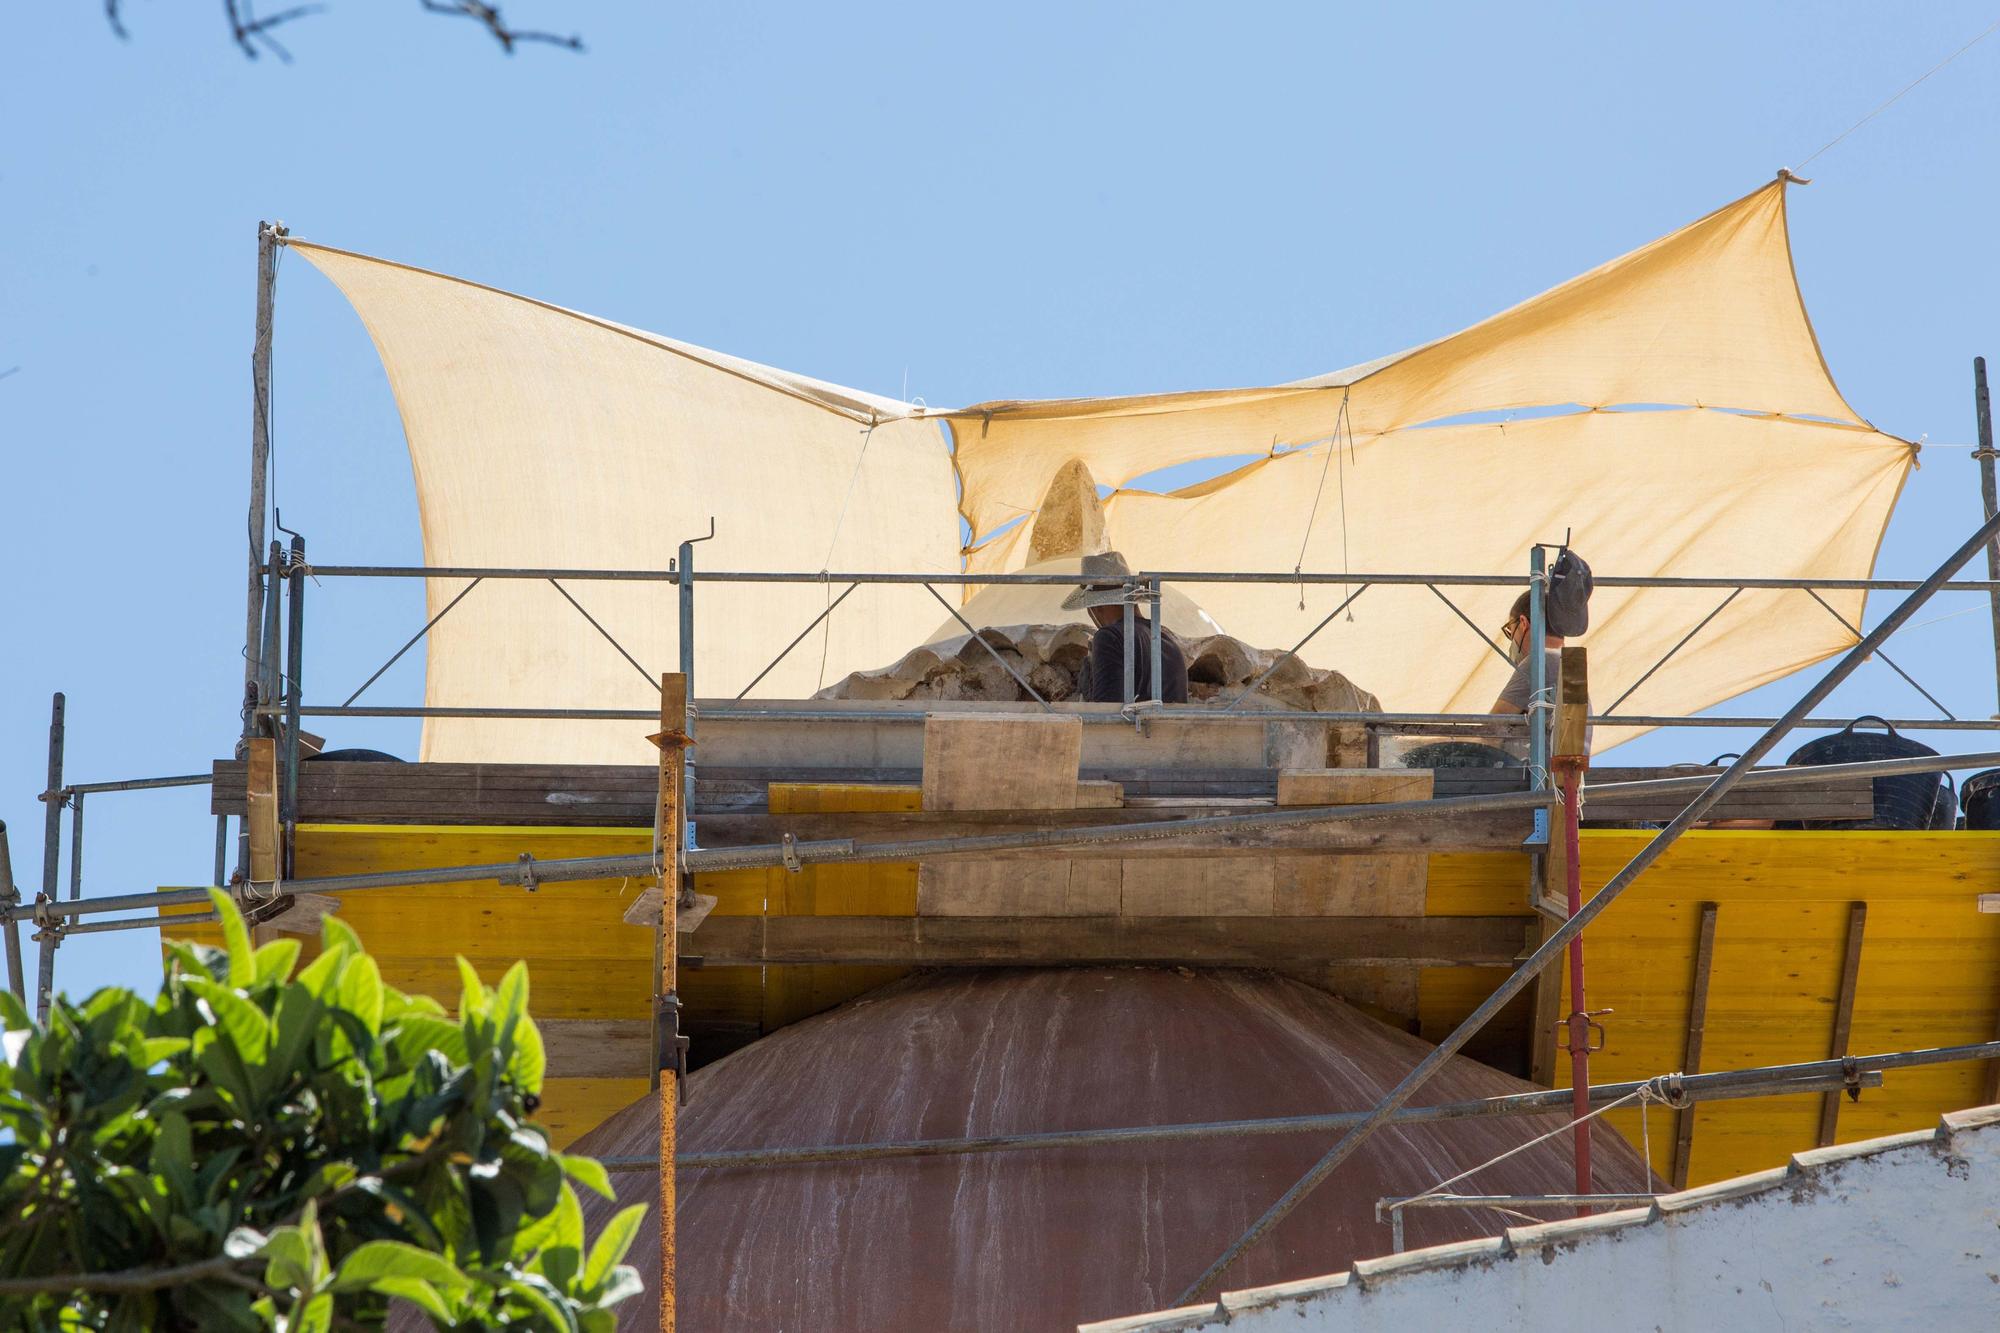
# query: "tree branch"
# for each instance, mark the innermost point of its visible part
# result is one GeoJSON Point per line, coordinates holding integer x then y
{"type": "Point", "coordinates": [488, 16]}
{"type": "Point", "coordinates": [131, 1279]}
{"type": "Point", "coordinates": [249, 29]}
{"type": "Point", "coordinates": [252, 31]}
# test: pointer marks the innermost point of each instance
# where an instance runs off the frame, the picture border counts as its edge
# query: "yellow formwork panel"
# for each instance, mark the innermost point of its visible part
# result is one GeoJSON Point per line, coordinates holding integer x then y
{"type": "Point", "coordinates": [793, 993]}
{"type": "Point", "coordinates": [1929, 974]}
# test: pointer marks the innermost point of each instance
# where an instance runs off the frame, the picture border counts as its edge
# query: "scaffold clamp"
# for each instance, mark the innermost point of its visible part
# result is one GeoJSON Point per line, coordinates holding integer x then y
{"type": "Point", "coordinates": [672, 1053]}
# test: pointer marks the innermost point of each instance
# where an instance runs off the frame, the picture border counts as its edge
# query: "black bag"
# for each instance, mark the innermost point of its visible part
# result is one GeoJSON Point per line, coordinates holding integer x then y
{"type": "Point", "coordinates": [1567, 613]}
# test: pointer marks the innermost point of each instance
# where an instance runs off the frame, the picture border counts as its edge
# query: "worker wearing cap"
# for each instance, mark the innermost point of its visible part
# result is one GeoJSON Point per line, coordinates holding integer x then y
{"type": "Point", "coordinates": [1102, 680]}
{"type": "Point", "coordinates": [1517, 693]}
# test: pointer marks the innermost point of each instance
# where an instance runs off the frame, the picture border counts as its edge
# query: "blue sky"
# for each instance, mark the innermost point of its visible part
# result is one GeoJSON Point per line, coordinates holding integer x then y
{"type": "Point", "coordinates": [1020, 200]}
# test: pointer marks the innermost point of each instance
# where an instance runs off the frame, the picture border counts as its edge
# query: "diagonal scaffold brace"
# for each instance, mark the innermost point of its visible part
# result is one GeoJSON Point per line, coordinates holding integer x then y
{"type": "Point", "coordinates": [1559, 940]}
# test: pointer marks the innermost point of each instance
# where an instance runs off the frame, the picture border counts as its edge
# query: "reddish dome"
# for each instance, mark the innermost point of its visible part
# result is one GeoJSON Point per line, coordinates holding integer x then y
{"type": "Point", "coordinates": [1047, 1239]}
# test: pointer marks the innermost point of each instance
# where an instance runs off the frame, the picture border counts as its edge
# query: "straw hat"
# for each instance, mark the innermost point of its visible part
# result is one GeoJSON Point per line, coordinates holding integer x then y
{"type": "Point", "coordinates": [1109, 564]}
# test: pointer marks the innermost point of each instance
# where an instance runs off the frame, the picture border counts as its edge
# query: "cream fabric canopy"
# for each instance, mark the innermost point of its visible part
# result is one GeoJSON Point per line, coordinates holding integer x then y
{"type": "Point", "coordinates": [1684, 423]}
{"type": "Point", "coordinates": [542, 438]}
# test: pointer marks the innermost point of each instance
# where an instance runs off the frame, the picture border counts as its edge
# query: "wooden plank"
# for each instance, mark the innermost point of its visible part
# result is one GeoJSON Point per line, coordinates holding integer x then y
{"type": "Point", "coordinates": [987, 887]}
{"type": "Point", "coordinates": [1494, 831]}
{"type": "Point", "coordinates": [1197, 886]}
{"type": "Point", "coordinates": [1843, 1017]}
{"type": "Point", "coordinates": [584, 792]}
{"type": "Point", "coordinates": [1572, 729]}
{"type": "Point", "coordinates": [598, 1047]}
{"type": "Point", "coordinates": [1359, 786]}
{"type": "Point", "coordinates": [261, 804]}
{"type": "Point", "coordinates": [1351, 885]}
{"type": "Point", "coordinates": [1001, 761]}
{"type": "Point", "coordinates": [1697, 1026]}
{"type": "Point", "coordinates": [1098, 794]}
{"type": "Point", "coordinates": [987, 941]}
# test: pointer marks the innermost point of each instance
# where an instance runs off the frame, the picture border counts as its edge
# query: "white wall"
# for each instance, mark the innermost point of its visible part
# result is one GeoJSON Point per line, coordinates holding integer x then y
{"type": "Point", "coordinates": [1901, 1232]}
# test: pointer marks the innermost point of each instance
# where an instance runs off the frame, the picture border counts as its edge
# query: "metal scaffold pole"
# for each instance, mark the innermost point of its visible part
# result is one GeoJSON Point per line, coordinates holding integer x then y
{"type": "Point", "coordinates": [10, 896]}
{"type": "Point", "coordinates": [52, 797]}
{"type": "Point", "coordinates": [260, 458]}
{"type": "Point", "coordinates": [669, 1045]}
{"type": "Point", "coordinates": [1558, 941]}
{"type": "Point", "coordinates": [1982, 404]}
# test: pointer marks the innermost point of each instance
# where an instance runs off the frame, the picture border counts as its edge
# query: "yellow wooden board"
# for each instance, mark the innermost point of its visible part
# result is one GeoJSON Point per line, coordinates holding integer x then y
{"type": "Point", "coordinates": [1929, 973]}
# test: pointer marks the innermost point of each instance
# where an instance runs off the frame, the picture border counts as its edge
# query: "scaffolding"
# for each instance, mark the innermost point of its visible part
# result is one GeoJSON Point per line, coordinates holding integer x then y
{"type": "Point", "coordinates": [274, 706]}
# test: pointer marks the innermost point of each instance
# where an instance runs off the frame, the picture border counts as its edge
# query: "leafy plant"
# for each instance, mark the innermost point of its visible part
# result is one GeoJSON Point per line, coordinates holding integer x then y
{"type": "Point", "coordinates": [256, 1149]}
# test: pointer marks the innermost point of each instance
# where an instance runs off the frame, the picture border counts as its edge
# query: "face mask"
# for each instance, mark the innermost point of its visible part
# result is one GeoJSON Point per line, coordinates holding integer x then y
{"type": "Point", "coordinates": [1515, 652]}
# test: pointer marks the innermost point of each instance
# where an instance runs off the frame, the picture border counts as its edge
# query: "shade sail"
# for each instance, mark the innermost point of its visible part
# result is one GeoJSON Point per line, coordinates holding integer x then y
{"type": "Point", "coordinates": [544, 438]}
{"type": "Point", "coordinates": [1680, 421]}
{"type": "Point", "coordinates": [1708, 316]}
{"type": "Point", "coordinates": [1690, 493]}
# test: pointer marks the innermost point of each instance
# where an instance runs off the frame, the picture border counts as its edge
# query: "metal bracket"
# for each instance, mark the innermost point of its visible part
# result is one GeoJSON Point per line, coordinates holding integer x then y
{"type": "Point", "coordinates": [788, 847]}
{"type": "Point", "coordinates": [47, 923]}
{"type": "Point", "coordinates": [672, 1048]}
{"type": "Point", "coordinates": [529, 881]}
{"type": "Point", "coordinates": [1850, 1077]}
{"type": "Point", "coordinates": [1593, 1042]}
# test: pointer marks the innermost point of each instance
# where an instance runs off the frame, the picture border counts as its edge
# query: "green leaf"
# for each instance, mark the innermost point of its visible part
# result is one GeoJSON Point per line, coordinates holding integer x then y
{"type": "Point", "coordinates": [14, 1014]}
{"type": "Point", "coordinates": [273, 962]}
{"type": "Point", "coordinates": [337, 934]}
{"type": "Point", "coordinates": [359, 991]}
{"type": "Point", "coordinates": [312, 1316]}
{"type": "Point", "coordinates": [155, 1049]}
{"type": "Point", "coordinates": [612, 1243]}
{"type": "Point", "coordinates": [510, 998]}
{"type": "Point", "coordinates": [288, 1260]}
{"type": "Point", "coordinates": [589, 1173]}
{"type": "Point", "coordinates": [242, 1022]}
{"type": "Point", "coordinates": [624, 1282]}
{"type": "Point", "coordinates": [545, 1300]}
{"type": "Point", "coordinates": [323, 972]}
{"type": "Point", "coordinates": [172, 1159]}
{"type": "Point", "coordinates": [294, 1023]}
{"type": "Point", "coordinates": [530, 1061]}
{"type": "Point", "coordinates": [420, 1294]}
{"type": "Point", "coordinates": [366, 1268]}
{"type": "Point", "coordinates": [242, 963]}
{"type": "Point", "coordinates": [472, 994]}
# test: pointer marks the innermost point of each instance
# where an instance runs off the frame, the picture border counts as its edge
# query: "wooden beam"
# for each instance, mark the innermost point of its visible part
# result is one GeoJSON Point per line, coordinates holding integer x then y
{"type": "Point", "coordinates": [261, 807]}
{"type": "Point", "coordinates": [1843, 1017]}
{"type": "Point", "coordinates": [1214, 940]}
{"type": "Point", "coordinates": [1497, 831]}
{"type": "Point", "coordinates": [1704, 962]}
{"type": "Point", "coordinates": [1573, 705]}
{"type": "Point", "coordinates": [598, 1047]}
{"type": "Point", "coordinates": [621, 795]}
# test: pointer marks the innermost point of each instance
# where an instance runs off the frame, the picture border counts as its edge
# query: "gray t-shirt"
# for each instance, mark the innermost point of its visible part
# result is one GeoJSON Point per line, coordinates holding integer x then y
{"type": "Point", "coordinates": [1519, 689]}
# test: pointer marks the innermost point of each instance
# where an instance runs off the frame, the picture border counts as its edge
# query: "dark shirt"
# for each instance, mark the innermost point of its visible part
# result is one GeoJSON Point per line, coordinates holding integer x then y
{"type": "Point", "coordinates": [1102, 680]}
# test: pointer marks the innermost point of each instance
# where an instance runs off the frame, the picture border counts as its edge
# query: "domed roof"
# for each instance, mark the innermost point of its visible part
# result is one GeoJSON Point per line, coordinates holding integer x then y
{"type": "Point", "coordinates": [1047, 1239]}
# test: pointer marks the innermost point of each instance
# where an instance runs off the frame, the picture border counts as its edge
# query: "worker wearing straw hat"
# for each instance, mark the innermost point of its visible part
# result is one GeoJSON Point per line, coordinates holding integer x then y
{"type": "Point", "coordinates": [1102, 679]}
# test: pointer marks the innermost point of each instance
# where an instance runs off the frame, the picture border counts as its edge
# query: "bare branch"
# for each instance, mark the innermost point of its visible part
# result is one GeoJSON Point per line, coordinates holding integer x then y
{"type": "Point", "coordinates": [488, 16]}
{"type": "Point", "coordinates": [249, 29]}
